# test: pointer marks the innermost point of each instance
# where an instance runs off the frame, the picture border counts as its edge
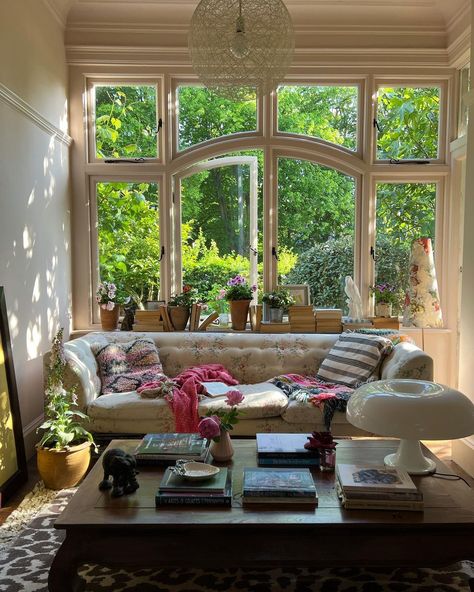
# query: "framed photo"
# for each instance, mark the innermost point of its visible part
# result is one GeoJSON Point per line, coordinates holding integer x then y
{"type": "Point", "coordinates": [300, 293]}
{"type": "Point", "coordinates": [13, 471]}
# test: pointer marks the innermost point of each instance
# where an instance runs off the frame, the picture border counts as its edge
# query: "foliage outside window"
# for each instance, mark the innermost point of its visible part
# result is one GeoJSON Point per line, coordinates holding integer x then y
{"type": "Point", "coordinates": [405, 212]}
{"type": "Point", "coordinates": [129, 238]}
{"type": "Point", "coordinates": [125, 122]}
{"type": "Point", "coordinates": [408, 123]}
{"type": "Point", "coordinates": [316, 225]}
{"type": "Point", "coordinates": [326, 112]}
{"type": "Point", "coordinates": [203, 115]}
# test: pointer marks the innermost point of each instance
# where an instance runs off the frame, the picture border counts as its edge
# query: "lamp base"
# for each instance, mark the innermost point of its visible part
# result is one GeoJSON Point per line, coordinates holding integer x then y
{"type": "Point", "coordinates": [410, 458]}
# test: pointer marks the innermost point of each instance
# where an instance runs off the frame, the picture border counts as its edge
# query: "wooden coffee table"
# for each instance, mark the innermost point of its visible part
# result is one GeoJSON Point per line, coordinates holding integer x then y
{"type": "Point", "coordinates": [130, 531]}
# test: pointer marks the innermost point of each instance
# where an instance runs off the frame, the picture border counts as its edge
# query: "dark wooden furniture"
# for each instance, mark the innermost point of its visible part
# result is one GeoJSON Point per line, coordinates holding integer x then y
{"type": "Point", "coordinates": [130, 531]}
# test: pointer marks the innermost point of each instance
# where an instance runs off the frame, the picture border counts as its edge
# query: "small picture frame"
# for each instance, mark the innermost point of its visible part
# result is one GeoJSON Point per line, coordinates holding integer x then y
{"type": "Point", "coordinates": [300, 293]}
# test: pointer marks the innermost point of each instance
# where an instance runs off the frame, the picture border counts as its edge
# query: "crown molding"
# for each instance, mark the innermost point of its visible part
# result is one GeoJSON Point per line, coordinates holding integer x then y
{"type": "Point", "coordinates": [462, 15]}
{"type": "Point", "coordinates": [91, 55]}
{"type": "Point", "coordinates": [59, 10]}
{"type": "Point", "coordinates": [459, 51]}
{"type": "Point", "coordinates": [17, 103]}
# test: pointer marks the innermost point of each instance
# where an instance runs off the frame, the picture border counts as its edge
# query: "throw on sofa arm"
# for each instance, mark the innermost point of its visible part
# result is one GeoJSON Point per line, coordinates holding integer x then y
{"type": "Point", "coordinates": [81, 373]}
{"type": "Point", "coordinates": [408, 361]}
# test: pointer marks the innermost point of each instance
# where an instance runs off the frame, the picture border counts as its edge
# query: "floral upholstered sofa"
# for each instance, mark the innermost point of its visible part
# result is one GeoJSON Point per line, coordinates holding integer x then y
{"type": "Point", "coordinates": [252, 358]}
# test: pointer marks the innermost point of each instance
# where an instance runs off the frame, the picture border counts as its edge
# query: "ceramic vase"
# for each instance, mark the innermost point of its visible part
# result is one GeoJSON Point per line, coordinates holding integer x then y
{"type": "Point", "coordinates": [239, 311]}
{"type": "Point", "coordinates": [109, 318]}
{"type": "Point", "coordinates": [383, 309]}
{"type": "Point", "coordinates": [179, 316]}
{"type": "Point", "coordinates": [222, 450]}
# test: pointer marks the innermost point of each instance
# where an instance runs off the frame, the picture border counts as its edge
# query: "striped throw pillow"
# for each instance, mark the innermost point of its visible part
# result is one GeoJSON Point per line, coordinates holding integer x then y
{"type": "Point", "coordinates": [354, 358]}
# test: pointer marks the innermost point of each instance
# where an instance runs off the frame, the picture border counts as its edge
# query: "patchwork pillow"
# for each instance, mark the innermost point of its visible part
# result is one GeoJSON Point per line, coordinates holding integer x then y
{"type": "Point", "coordinates": [126, 366]}
{"type": "Point", "coordinates": [354, 359]}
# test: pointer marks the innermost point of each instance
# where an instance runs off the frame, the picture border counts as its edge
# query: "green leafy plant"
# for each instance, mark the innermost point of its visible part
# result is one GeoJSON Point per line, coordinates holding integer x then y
{"type": "Point", "coordinates": [187, 298]}
{"type": "Point", "coordinates": [385, 293]}
{"type": "Point", "coordinates": [280, 298]}
{"type": "Point", "coordinates": [61, 428]}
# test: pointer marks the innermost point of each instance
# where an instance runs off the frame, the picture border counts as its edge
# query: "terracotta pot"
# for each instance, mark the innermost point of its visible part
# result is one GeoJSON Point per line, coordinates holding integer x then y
{"type": "Point", "coordinates": [383, 309]}
{"type": "Point", "coordinates": [239, 311]}
{"type": "Point", "coordinates": [179, 316]}
{"type": "Point", "coordinates": [63, 468]}
{"type": "Point", "coordinates": [109, 318]}
{"type": "Point", "coordinates": [222, 450]}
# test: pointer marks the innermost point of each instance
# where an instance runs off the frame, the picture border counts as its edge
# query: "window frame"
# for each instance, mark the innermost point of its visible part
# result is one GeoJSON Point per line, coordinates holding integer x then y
{"type": "Point", "coordinates": [176, 152]}
{"type": "Point", "coordinates": [91, 83]}
{"type": "Point", "coordinates": [358, 82]}
{"type": "Point", "coordinates": [409, 82]}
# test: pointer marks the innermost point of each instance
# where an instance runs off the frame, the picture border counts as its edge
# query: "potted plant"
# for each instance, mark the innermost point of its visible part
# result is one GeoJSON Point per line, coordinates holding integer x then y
{"type": "Point", "coordinates": [64, 451]}
{"type": "Point", "coordinates": [385, 297]}
{"type": "Point", "coordinates": [239, 295]}
{"type": "Point", "coordinates": [109, 302]}
{"type": "Point", "coordinates": [179, 307]}
{"type": "Point", "coordinates": [277, 302]}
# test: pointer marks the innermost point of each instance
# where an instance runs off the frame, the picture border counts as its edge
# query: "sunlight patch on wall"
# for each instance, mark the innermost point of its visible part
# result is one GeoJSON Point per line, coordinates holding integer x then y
{"type": "Point", "coordinates": [33, 338]}
{"type": "Point", "coordinates": [28, 242]}
{"type": "Point", "coordinates": [36, 289]}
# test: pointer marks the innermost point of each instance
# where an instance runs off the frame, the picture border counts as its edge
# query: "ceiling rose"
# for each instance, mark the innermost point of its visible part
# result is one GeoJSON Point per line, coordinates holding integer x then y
{"type": "Point", "coordinates": [241, 46]}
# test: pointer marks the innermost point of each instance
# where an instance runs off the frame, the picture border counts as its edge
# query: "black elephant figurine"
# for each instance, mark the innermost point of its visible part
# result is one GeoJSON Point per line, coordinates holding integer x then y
{"type": "Point", "coordinates": [121, 466]}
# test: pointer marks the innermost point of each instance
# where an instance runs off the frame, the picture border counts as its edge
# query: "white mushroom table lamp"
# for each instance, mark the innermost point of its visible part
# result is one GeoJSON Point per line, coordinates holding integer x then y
{"type": "Point", "coordinates": [411, 410]}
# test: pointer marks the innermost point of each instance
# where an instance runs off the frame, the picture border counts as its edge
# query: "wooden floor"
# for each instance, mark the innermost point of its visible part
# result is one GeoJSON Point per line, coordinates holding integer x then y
{"type": "Point", "coordinates": [441, 448]}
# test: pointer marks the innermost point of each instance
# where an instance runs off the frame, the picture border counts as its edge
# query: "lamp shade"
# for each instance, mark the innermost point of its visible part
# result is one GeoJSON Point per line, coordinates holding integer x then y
{"type": "Point", "coordinates": [411, 410]}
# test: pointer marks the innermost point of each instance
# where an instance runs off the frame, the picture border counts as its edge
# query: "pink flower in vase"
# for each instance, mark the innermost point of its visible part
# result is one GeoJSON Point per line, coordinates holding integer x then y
{"type": "Point", "coordinates": [234, 397]}
{"type": "Point", "coordinates": [210, 427]}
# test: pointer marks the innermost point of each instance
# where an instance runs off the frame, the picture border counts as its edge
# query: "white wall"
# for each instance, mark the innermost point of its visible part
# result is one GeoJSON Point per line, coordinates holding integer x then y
{"type": "Point", "coordinates": [35, 265]}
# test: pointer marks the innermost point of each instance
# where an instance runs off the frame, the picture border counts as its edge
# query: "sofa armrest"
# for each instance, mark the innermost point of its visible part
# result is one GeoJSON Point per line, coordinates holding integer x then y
{"type": "Point", "coordinates": [407, 361]}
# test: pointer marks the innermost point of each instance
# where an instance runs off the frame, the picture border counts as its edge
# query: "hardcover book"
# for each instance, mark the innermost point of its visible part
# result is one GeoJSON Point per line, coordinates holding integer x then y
{"type": "Point", "coordinates": [283, 445]}
{"type": "Point", "coordinates": [266, 482]}
{"type": "Point", "coordinates": [216, 389]}
{"type": "Point", "coordinates": [222, 499]}
{"type": "Point", "coordinates": [355, 478]}
{"type": "Point", "coordinates": [172, 446]}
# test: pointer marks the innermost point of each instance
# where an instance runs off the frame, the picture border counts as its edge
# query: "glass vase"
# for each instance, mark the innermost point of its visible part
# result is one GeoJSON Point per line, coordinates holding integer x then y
{"type": "Point", "coordinates": [327, 459]}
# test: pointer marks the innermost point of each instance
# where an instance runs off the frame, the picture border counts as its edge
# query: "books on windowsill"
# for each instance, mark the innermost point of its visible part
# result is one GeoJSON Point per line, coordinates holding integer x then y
{"type": "Point", "coordinates": [176, 491]}
{"type": "Point", "coordinates": [377, 488]}
{"type": "Point", "coordinates": [165, 449]}
{"type": "Point", "coordinates": [285, 450]}
{"type": "Point", "coordinates": [278, 486]}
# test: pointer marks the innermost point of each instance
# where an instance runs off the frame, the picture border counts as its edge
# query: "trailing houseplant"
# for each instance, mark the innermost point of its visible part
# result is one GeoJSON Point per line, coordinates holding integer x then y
{"type": "Point", "coordinates": [65, 447]}
{"type": "Point", "coordinates": [277, 302]}
{"type": "Point", "coordinates": [239, 295]}
{"type": "Point", "coordinates": [179, 307]}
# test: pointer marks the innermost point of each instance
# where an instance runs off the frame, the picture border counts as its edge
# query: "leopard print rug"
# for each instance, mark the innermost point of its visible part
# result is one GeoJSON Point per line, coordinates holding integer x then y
{"type": "Point", "coordinates": [24, 566]}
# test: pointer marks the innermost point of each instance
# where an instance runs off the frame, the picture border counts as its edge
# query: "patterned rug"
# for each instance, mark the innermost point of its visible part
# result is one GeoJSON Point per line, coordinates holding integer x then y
{"type": "Point", "coordinates": [26, 556]}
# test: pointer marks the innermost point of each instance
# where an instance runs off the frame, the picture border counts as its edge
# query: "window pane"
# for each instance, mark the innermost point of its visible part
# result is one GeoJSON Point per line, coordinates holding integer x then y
{"type": "Point", "coordinates": [203, 116]}
{"type": "Point", "coordinates": [464, 87]}
{"type": "Point", "coordinates": [316, 222]}
{"type": "Point", "coordinates": [129, 238]}
{"type": "Point", "coordinates": [215, 229]}
{"type": "Point", "coordinates": [405, 212]}
{"type": "Point", "coordinates": [408, 120]}
{"type": "Point", "coordinates": [125, 122]}
{"type": "Point", "coordinates": [326, 112]}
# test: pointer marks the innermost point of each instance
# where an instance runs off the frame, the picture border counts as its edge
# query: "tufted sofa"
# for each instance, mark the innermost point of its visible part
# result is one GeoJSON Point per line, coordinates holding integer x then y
{"type": "Point", "coordinates": [251, 358]}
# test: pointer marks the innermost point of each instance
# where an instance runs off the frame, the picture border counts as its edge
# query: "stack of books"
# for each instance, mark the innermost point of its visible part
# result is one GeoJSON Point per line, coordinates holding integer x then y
{"type": "Point", "coordinates": [301, 319]}
{"type": "Point", "coordinates": [148, 320]}
{"type": "Point", "coordinates": [267, 327]}
{"type": "Point", "coordinates": [284, 487]}
{"type": "Point", "coordinates": [328, 320]}
{"type": "Point", "coordinates": [377, 488]}
{"type": "Point", "coordinates": [215, 491]}
{"type": "Point", "coordinates": [166, 449]}
{"type": "Point", "coordinates": [285, 450]}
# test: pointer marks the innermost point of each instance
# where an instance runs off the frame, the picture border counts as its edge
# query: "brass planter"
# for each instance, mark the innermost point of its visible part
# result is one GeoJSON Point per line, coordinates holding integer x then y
{"type": "Point", "coordinates": [60, 469]}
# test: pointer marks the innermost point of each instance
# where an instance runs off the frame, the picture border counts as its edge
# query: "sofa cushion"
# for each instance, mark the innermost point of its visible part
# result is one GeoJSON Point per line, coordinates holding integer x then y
{"type": "Point", "coordinates": [353, 359]}
{"type": "Point", "coordinates": [307, 413]}
{"type": "Point", "coordinates": [128, 405]}
{"type": "Point", "coordinates": [126, 366]}
{"type": "Point", "coordinates": [261, 400]}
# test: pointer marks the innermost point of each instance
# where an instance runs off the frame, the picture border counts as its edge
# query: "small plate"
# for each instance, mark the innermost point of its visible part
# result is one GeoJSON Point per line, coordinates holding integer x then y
{"type": "Point", "coordinates": [197, 471]}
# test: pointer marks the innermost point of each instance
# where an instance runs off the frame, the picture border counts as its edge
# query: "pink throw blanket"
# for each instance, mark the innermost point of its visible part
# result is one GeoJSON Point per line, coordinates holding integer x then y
{"type": "Point", "coordinates": [185, 398]}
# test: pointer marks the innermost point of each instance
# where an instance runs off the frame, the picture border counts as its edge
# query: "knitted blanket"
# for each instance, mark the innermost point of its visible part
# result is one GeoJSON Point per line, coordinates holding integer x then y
{"type": "Point", "coordinates": [306, 389]}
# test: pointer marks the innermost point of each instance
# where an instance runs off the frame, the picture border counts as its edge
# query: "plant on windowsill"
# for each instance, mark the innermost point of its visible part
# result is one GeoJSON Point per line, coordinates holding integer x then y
{"type": "Point", "coordinates": [385, 297]}
{"type": "Point", "coordinates": [239, 295]}
{"type": "Point", "coordinates": [109, 300]}
{"type": "Point", "coordinates": [179, 307]}
{"type": "Point", "coordinates": [64, 451]}
{"type": "Point", "coordinates": [277, 302]}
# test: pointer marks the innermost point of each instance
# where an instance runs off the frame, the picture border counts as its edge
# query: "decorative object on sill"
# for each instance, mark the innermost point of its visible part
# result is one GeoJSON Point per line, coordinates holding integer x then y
{"type": "Point", "coordinates": [278, 301]}
{"type": "Point", "coordinates": [208, 321]}
{"type": "Point", "coordinates": [354, 301]}
{"type": "Point", "coordinates": [109, 318]}
{"type": "Point", "coordinates": [299, 292]}
{"type": "Point", "coordinates": [384, 309]}
{"type": "Point", "coordinates": [217, 425]}
{"type": "Point", "coordinates": [109, 299]}
{"type": "Point", "coordinates": [179, 307]}
{"type": "Point", "coordinates": [239, 295]}
{"type": "Point", "coordinates": [411, 409]}
{"type": "Point", "coordinates": [385, 296]}
{"type": "Point", "coordinates": [324, 443]}
{"type": "Point", "coordinates": [64, 451]}
{"type": "Point", "coordinates": [121, 466]}
{"type": "Point", "coordinates": [254, 42]}
{"type": "Point", "coordinates": [423, 297]}
{"type": "Point", "coordinates": [128, 317]}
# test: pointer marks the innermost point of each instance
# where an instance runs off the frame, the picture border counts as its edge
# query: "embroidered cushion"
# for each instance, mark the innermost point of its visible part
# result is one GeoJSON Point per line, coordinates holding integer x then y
{"type": "Point", "coordinates": [354, 359]}
{"type": "Point", "coordinates": [126, 366]}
